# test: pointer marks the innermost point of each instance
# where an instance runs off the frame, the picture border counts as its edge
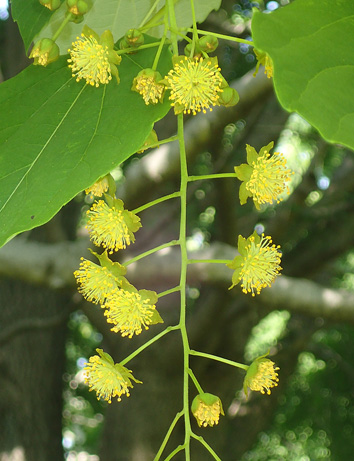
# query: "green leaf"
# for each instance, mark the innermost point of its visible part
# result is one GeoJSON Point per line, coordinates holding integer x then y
{"type": "Point", "coordinates": [310, 43]}
{"type": "Point", "coordinates": [57, 136]}
{"type": "Point", "coordinates": [121, 15]}
{"type": "Point", "coordinates": [31, 17]}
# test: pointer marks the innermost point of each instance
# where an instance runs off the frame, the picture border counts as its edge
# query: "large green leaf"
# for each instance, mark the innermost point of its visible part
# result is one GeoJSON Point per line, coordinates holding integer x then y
{"type": "Point", "coordinates": [120, 15]}
{"type": "Point", "coordinates": [58, 136]}
{"type": "Point", "coordinates": [31, 17]}
{"type": "Point", "coordinates": [311, 44]}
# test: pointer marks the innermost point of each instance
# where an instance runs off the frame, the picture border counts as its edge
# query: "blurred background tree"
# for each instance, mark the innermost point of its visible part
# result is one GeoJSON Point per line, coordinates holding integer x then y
{"type": "Point", "coordinates": [306, 319]}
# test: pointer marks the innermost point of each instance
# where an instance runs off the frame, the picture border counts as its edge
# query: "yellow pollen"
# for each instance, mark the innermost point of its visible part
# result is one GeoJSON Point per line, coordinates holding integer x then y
{"type": "Point", "coordinates": [269, 178]}
{"type": "Point", "coordinates": [260, 266]}
{"type": "Point", "coordinates": [128, 312]}
{"type": "Point", "coordinates": [107, 380]}
{"type": "Point", "coordinates": [42, 57]}
{"type": "Point", "coordinates": [89, 61]}
{"type": "Point", "coordinates": [107, 227]}
{"type": "Point", "coordinates": [95, 282]}
{"type": "Point", "coordinates": [99, 188]}
{"type": "Point", "coordinates": [195, 84]}
{"type": "Point", "coordinates": [208, 415]}
{"type": "Point", "coordinates": [265, 378]}
{"type": "Point", "coordinates": [149, 89]}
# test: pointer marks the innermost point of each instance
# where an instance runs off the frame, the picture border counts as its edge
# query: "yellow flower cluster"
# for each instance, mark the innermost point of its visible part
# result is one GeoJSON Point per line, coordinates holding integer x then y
{"type": "Point", "coordinates": [93, 59]}
{"type": "Point", "coordinates": [257, 265]}
{"type": "Point", "coordinates": [261, 376]}
{"type": "Point", "coordinates": [131, 310]}
{"type": "Point", "coordinates": [89, 61]}
{"type": "Point", "coordinates": [106, 378]}
{"type": "Point", "coordinates": [148, 84]}
{"type": "Point", "coordinates": [111, 226]}
{"type": "Point", "coordinates": [207, 409]}
{"type": "Point", "coordinates": [263, 177]}
{"type": "Point", "coordinates": [98, 188]}
{"type": "Point", "coordinates": [195, 84]}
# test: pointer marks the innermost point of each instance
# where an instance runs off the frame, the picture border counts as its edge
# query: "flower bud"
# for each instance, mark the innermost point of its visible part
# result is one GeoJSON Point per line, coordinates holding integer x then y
{"type": "Point", "coordinates": [206, 409]}
{"type": "Point", "coordinates": [229, 97]}
{"type": "Point", "coordinates": [50, 4]}
{"type": "Point", "coordinates": [132, 39]}
{"type": "Point", "coordinates": [149, 84]}
{"type": "Point", "coordinates": [77, 7]}
{"type": "Point", "coordinates": [208, 43]}
{"type": "Point", "coordinates": [188, 49]}
{"type": "Point", "coordinates": [44, 52]}
{"type": "Point", "coordinates": [261, 376]}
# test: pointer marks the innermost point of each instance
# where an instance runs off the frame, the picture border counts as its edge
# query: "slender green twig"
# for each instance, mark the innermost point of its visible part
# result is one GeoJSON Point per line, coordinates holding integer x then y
{"type": "Point", "coordinates": [149, 252]}
{"type": "Point", "coordinates": [175, 451]}
{"type": "Point", "coordinates": [206, 445]}
{"type": "Point", "coordinates": [219, 359]}
{"type": "Point", "coordinates": [149, 13]}
{"type": "Point", "coordinates": [195, 31]}
{"type": "Point", "coordinates": [140, 47]}
{"type": "Point", "coordinates": [67, 19]}
{"type": "Point", "coordinates": [173, 23]}
{"type": "Point", "coordinates": [144, 346]}
{"type": "Point", "coordinates": [213, 261]}
{"type": "Point", "coordinates": [211, 176]}
{"type": "Point", "coordinates": [183, 280]}
{"type": "Point", "coordinates": [195, 381]}
{"type": "Point", "coordinates": [155, 202]}
{"type": "Point", "coordinates": [167, 436]}
{"type": "Point", "coordinates": [159, 142]}
{"type": "Point", "coordinates": [167, 292]}
{"type": "Point", "coordinates": [224, 37]}
{"type": "Point", "coordinates": [163, 38]}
